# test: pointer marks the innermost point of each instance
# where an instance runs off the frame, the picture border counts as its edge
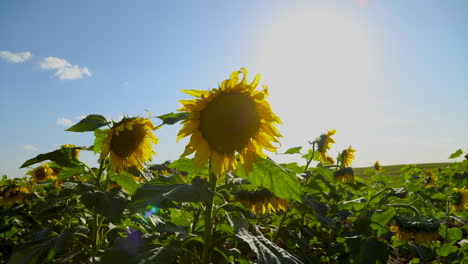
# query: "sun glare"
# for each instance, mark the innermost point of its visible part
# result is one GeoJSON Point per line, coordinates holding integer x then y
{"type": "Point", "coordinates": [318, 59]}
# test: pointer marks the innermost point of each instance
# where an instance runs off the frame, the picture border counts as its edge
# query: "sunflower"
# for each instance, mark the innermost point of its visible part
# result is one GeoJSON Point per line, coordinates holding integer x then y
{"type": "Point", "coordinates": [129, 143]}
{"type": "Point", "coordinates": [344, 175]}
{"type": "Point", "coordinates": [75, 151]}
{"type": "Point", "coordinates": [323, 144]}
{"type": "Point", "coordinates": [261, 201]}
{"type": "Point", "coordinates": [421, 229]}
{"type": "Point", "coordinates": [377, 166]}
{"type": "Point", "coordinates": [233, 118]}
{"type": "Point", "coordinates": [13, 193]}
{"type": "Point", "coordinates": [430, 178]}
{"type": "Point", "coordinates": [42, 173]}
{"type": "Point", "coordinates": [460, 201]}
{"type": "Point", "coordinates": [347, 157]}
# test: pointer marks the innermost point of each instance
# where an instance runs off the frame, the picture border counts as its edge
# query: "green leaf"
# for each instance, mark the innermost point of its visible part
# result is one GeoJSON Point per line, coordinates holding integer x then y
{"type": "Point", "coordinates": [172, 118]}
{"type": "Point", "coordinates": [293, 167]}
{"type": "Point", "coordinates": [380, 220]}
{"type": "Point", "coordinates": [67, 173]}
{"type": "Point", "coordinates": [446, 249]}
{"type": "Point", "coordinates": [125, 180]}
{"type": "Point", "coordinates": [161, 195]}
{"type": "Point", "coordinates": [100, 136]}
{"type": "Point", "coordinates": [89, 123]}
{"type": "Point", "coordinates": [295, 150]}
{"type": "Point", "coordinates": [320, 210]}
{"type": "Point", "coordinates": [438, 196]}
{"type": "Point", "coordinates": [267, 174]}
{"type": "Point", "coordinates": [63, 157]}
{"type": "Point", "coordinates": [454, 234]}
{"type": "Point", "coordinates": [138, 249]}
{"type": "Point", "coordinates": [456, 154]}
{"type": "Point", "coordinates": [42, 248]}
{"type": "Point", "coordinates": [369, 250]}
{"type": "Point", "coordinates": [185, 164]}
{"type": "Point", "coordinates": [109, 204]}
{"type": "Point", "coordinates": [267, 251]}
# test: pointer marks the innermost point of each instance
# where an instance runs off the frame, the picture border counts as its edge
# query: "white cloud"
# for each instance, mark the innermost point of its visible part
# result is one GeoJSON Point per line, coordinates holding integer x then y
{"type": "Point", "coordinates": [15, 57]}
{"type": "Point", "coordinates": [64, 121]}
{"type": "Point", "coordinates": [63, 69]}
{"type": "Point", "coordinates": [30, 147]}
{"type": "Point", "coordinates": [80, 117]}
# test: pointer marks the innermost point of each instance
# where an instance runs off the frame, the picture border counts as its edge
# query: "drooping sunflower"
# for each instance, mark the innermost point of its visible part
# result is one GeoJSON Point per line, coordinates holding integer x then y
{"type": "Point", "coordinates": [42, 173]}
{"type": "Point", "coordinates": [344, 175]}
{"type": "Point", "coordinates": [347, 157]}
{"type": "Point", "coordinates": [261, 201]}
{"type": "Point", "coordinates": [129, 143]}
{"type": "Point", "coordinates": [430, 178]}
{"type": "Point", "coordinates": [75, 151]}
{"type": "Point", "coordinates": [233, 118]}
{"type": "Point", "coordinates": [377, 166]}
{"type": "Point", "coordinates": [420, 228]}
{"type": "Point", "coordinates": [323, 144]}
{"type": "Point", "coordinates": [460, 200]}
{"type": "Point", "coordinates": [13, 193]}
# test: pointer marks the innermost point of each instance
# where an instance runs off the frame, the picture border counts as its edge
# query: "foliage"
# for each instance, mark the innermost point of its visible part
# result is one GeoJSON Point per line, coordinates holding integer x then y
{"type": "Point", "coordinates": [162, 214]}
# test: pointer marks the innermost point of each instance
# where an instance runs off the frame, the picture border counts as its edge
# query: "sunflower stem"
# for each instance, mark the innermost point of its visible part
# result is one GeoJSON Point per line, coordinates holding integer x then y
{"type": "Point", "coordinates": [311, 158]}
{"type": "Point", "coordinates": [275, 237]}
{"type": "Point", "coordinates": [416, 211]}
{"type": "Point", "coordinates": [447, 218]}
{"type": "Point", "coordinates": [95, 234]}
{"type": "Point", "coordinates": [209, 218]}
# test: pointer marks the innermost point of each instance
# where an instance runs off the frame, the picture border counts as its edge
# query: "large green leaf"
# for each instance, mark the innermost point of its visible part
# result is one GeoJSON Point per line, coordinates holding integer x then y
{"type": "Point", "coordinates": [162, 195]}
{"type": "Point", "coordinates": [42, 247]}
{"type": "Point", "coordinates": [267, 251]}
{"type": "Point", "coordinates": [138, 249]}
{"type": "Point", "coordinates": [100, 136]}
{"type": "Point", "coordinates": [63, 157]}
{"type": "Point", "coordinates": [172, 118]}
{"type": "Point", "coordinates": [125, 180]}
{"type": "Point", "coordinates": [89, 123]}
{"type": "Point", "coordinates": [269, 175]}
{"type": "Point", "coordinates": [108, 204]}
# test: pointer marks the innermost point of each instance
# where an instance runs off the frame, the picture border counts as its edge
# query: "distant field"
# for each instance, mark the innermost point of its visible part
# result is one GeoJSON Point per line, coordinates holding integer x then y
{"type": "Point", "coordinates": [393, 171]}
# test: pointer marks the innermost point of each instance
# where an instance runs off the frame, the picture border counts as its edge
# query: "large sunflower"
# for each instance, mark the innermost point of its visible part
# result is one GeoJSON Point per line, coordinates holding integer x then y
{"type": "Point", "coordinates": [42, 173]}
{"type": "Point", "coordinates": [460, 200]}
{"type": "Point", "coordinates": [347, 157]}
{"type": "Point", "coordinates": [323, 144]}
{"type": "Point", "coordinates": [233, 118]}
{"type": "Point", "coordinates": [129, 143]}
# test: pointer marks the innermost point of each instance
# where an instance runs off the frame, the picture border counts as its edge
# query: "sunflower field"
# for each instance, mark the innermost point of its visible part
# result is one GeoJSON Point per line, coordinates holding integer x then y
{"type": "Point", "coordinates": [224, 200]}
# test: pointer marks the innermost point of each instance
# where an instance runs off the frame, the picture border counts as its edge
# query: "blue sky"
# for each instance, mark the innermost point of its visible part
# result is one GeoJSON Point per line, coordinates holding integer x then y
{"type": "Point", "coordinates": [389, 76]}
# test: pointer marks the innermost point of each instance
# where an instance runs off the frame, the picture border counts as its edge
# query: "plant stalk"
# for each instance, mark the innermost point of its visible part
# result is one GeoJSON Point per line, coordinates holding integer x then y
{"type": "Point", "coordinates": [209, 219]}
{"type": "Point", "coordinates": [311, 158]}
